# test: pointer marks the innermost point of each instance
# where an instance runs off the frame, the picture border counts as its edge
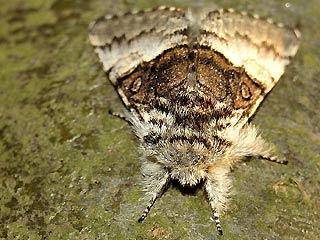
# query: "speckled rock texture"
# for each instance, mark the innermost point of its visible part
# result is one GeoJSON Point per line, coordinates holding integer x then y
{"type": "Point", "coordinates": [69, 170]}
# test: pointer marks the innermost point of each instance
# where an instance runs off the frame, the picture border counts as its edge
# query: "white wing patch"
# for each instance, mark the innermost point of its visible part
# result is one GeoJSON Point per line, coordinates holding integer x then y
{"type": "Point", "coordinates": [262, 48]}
{"type": "Point", "coordinates": [137, 38]}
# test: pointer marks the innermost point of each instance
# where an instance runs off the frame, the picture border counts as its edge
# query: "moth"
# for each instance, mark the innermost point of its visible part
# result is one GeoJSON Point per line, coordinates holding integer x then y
{"type": "Point", "coordinates": [190, 84]}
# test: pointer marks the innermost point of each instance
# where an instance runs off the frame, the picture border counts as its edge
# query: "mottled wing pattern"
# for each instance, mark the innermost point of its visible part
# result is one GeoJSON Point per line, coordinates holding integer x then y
{"type": "Point", "coordinates": [260, 47]}
{"type": "Point", "coordinates": [124, 42]}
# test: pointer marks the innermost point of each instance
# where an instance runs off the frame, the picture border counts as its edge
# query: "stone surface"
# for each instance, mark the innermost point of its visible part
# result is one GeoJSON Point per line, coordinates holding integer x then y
{"type": "Point", "coordinates": [69, 170]}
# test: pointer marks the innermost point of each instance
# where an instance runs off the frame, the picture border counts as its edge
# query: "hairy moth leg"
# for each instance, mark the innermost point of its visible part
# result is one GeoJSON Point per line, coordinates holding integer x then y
{"type": "Point", "coordinates": [251, 144]}
{"type": "Point", "coordinates": [217, 187]}
{"type": "Point", "coordinates": [155, 182]}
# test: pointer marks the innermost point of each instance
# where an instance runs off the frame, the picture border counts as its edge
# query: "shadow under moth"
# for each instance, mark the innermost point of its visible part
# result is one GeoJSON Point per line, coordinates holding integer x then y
{"type": "Point", "coordinates": [190, 84]}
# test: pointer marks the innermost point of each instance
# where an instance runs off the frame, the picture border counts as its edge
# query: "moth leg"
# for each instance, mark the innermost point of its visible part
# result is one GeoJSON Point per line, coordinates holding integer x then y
{"type": "Point", "coordinates": [217, 187]}
{"type": "Point", "coordinates": [120, 115]}
{"type": "Point", "coordinates": [156, 180]}
{"type": "Point", "coordinates": [213, 199]}
{"type": "Point", "coordinates": [253, 145]}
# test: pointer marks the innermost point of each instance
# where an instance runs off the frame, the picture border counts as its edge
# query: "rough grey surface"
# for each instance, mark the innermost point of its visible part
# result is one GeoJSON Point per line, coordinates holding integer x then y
{"type": "Point", "coordinates": [68, 170]}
